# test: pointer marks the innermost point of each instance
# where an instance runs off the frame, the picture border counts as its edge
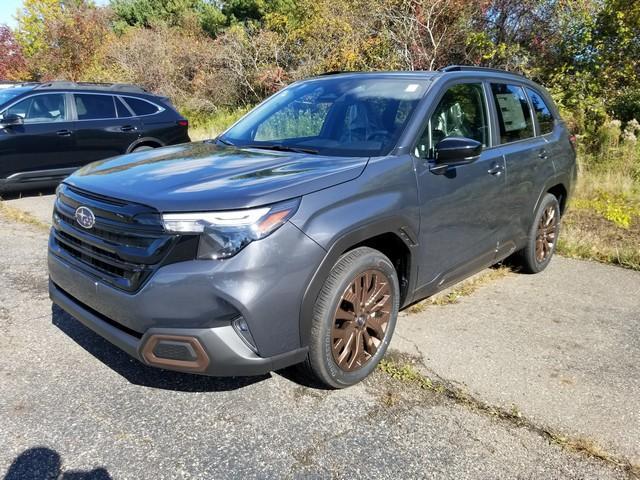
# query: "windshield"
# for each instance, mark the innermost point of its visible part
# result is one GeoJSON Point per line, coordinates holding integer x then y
{"type": "Point", "coordinates": [338, 116]}
{"type": "Point", "coordinates": [7, 93]}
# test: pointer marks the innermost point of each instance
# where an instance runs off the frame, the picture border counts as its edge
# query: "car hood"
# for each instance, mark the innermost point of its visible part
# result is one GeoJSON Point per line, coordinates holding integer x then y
{"type": "Point", "coordinates": [203, 176]}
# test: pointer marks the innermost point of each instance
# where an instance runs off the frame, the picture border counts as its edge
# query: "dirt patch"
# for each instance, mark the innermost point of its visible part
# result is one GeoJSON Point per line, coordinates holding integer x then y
{"type": "Point", "coordinates": [587, 234]}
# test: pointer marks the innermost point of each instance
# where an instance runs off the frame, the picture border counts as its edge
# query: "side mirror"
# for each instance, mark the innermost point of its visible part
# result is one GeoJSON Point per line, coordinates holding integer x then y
{"type": "Point", "coordinates": [453, 151]}
{"type": "Point", "coordinates": [12, 120]}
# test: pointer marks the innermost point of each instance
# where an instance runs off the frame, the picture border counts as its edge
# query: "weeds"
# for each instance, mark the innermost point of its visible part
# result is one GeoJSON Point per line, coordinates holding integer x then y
{"type": "Point", "coordinates": [462, 289]}
{"type": "Point", "coordinates": [204, 126]}
{"type": "Point", "coordinates": [603, 219]}
{"type": "Point", "coordinates": [16, 215]}
{"type": "Point", "coordinates": [399, 368]}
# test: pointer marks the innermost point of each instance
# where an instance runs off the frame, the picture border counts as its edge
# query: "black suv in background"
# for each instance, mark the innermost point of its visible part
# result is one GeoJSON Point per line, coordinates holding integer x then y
{"type": "Point", "coordinates": [48, 130]}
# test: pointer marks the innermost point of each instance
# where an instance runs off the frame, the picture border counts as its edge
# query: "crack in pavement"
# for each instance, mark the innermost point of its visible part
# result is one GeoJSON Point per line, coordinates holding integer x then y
{"type": "Point", "coordinates": [463, 398]}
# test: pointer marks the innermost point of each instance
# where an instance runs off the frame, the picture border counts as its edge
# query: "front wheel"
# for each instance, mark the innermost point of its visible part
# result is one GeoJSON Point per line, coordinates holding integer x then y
{"type": "Point", "coordinates": [543, 236]}
{"type": "Point", "coordinates": [354, 318]}
{"type": "Point", "coordinates": [142, 148]}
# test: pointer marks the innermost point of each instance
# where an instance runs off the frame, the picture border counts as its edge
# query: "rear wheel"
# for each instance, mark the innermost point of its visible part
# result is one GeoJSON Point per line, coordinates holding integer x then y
{"type": "Point", "coordinates": [354, 318]}
{"type": "Point", "coordinates": [543, 236]}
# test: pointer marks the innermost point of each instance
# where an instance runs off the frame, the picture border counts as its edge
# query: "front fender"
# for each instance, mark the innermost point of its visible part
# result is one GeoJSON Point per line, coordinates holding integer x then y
{"type": "Point", "coordinates": [382, 200]}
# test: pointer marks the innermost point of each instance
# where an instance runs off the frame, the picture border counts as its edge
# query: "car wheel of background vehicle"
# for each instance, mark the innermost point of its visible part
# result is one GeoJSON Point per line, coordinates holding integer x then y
{"type": "Point", "coordinates": [354, 318]}
{"type": "Point", "coordinates": [543, 236]}
{"type": "Point", "coordinates": [142, 148]}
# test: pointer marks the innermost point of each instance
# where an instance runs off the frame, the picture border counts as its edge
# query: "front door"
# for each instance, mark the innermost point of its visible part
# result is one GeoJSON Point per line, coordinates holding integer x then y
{"type": "Point", "coordinates": [460, 215]}
{"type": "Point", "coordinates": [43, 142]}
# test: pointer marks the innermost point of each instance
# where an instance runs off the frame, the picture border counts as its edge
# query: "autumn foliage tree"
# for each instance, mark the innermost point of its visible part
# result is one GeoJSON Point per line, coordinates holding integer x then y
{"type": "Point", "coordinates": [211, 53]}
{"type": "Point", "coordinates": [61, 39]}
{"type": "Point", "coordinates": [12, 63]}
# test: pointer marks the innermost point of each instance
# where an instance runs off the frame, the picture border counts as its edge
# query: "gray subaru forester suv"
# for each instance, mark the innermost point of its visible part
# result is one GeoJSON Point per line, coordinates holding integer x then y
{"type": "Point", "coordinates": [297, 235]}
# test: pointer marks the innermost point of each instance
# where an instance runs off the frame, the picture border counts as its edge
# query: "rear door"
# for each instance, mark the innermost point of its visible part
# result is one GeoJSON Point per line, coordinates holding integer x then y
{"type": "Point", "coordinates": [105, 127]}
{"type": "Point", "coordinates": [45, 140]}
{"type": "Point", "coordinates": [547, 125]}
{"type": "Point", "coordinates": [527, 160]}
{"type": "Point", "coordinates": [460, 218]}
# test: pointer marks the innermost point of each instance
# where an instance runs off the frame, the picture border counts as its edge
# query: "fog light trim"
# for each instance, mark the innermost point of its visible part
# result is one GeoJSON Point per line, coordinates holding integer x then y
{"type": "Point", "coordinates": [241, 327]}
{"type": "Point", "coordinates": [200, 363]}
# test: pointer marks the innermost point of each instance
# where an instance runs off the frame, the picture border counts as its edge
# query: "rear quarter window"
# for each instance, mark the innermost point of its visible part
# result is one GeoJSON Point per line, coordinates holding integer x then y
{"type": "Point", "coordinates": [543, 113]}
{"type": "Point", "coordinates": [514, 116]}
{"type": "Point", "coordinates": [141, 107]}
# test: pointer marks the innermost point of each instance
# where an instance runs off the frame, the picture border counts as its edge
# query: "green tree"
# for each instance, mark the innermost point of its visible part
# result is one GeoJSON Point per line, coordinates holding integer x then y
{"type": "Point", "coordinates": [32, 24]}
{"type": "Point", "coordinates": [146, 13]}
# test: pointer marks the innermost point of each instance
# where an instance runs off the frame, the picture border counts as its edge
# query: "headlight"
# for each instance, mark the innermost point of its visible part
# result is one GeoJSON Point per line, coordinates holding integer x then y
{"type": "Point", "coordinates": [225, 233]}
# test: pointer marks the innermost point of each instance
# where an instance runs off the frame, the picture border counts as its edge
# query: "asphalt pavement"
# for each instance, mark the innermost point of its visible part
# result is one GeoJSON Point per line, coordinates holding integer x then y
{"type": "Point", "coordinates": [560, 349]}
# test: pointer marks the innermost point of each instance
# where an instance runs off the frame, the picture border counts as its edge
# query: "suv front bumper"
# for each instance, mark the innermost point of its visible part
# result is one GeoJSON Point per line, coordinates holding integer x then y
{"type": "Point", "coordinates": [196, 302]}
{"type": "Point", "coordinates": [227, 354]}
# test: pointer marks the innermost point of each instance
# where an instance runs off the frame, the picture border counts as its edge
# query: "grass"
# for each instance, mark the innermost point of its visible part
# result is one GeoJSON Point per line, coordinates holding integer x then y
{"type": "Point", "coordinates": [16, 215]}
{"type": "Point", "coordinates": [602, 222]}
{"type": "Point", "coordinates": [463, 289]}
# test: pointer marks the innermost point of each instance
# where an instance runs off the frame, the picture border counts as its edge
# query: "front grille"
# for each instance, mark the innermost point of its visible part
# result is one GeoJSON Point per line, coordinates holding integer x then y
{"type": "Point", "coordinates": [124, 247]}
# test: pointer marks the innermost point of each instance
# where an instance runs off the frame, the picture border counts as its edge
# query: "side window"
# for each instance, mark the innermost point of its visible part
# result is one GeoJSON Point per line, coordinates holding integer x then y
{"type": "Point", "coordinates": [141, 107]}
{"type": "Point", "coordinates": [40, 108]}
{"type": "Point", "coordinates": [462, 112]}
{"type": "Point", "coordinates": [123, 111]}
{"type": "Point", "coordinates": [514, 116]}
{"type": "Point", "coordinates": [543, 114]}
{"type": "Point", "coordinates": [95, 107]}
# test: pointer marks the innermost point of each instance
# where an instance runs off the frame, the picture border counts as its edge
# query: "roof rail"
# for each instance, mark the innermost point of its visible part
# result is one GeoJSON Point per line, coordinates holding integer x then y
{"type": "Point", "coordinates": [473, 68]}
{"type": "Point", "coordinates": [120, 87]}
{"type": "Point", "coordinates": [10, 84]}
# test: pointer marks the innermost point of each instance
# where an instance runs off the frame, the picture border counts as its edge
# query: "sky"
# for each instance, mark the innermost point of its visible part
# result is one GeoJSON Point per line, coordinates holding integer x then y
{"type": "Point", "coordinates": [8, 10]}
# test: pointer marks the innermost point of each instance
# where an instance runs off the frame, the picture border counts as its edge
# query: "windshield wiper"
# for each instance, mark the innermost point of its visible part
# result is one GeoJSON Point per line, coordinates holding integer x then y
{"type": "Point", "coordinates": [283, 148]}
{"type": "Point", "coordinates": [226, 142]}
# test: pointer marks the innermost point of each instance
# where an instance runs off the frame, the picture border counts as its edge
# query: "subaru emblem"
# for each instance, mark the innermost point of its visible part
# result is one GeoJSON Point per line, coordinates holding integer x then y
{"type": "Point", "coordinates": [85, 217]}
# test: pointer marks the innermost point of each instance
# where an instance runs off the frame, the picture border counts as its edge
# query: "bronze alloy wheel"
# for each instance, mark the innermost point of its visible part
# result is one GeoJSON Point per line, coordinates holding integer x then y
{"type": "Point", "coordinates": [361, 320]}
{"type": "Point", "coordinates": [546, 233]}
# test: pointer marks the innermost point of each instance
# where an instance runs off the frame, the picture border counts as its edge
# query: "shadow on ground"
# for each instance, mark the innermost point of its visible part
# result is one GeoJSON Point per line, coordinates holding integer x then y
{"type": "Point", "coordinates": [138, 373]}
{"type": "Point", "coordinates": [41, 463]}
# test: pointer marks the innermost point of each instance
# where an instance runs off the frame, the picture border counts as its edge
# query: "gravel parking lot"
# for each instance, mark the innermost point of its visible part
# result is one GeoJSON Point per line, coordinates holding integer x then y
{"type": "Point", "coordinates": [533, 368]}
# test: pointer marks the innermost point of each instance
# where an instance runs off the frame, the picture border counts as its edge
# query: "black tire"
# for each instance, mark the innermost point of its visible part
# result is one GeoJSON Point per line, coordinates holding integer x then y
{"type": "Point", "coordinates": [360, 266]}
{"type": "Point", "coordinates": [530, 258]}
{"type": "Point", "coordinates": [142, 148]}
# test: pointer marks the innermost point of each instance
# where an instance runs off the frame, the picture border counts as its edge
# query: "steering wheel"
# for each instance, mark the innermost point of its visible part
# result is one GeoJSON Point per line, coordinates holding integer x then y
{"type": "Point", "coordinates": [379, 135]}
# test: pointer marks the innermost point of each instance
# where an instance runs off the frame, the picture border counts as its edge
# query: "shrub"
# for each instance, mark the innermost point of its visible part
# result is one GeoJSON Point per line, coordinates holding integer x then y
{"type": "Point", "coordinates": [156, 58]}
{"type": "Point", "coordinates": [626, 106]}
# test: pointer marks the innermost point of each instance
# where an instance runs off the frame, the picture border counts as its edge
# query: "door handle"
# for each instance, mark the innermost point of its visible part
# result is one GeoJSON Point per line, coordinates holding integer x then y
{"type": "Point", "coordinates": [64, 133]}
{"type": "Point", "coordinates": [496, 170]}
{"type": "Point", "coordinates": [543, 154]}
{"type": "Point", "coordinates": [128, 128]}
